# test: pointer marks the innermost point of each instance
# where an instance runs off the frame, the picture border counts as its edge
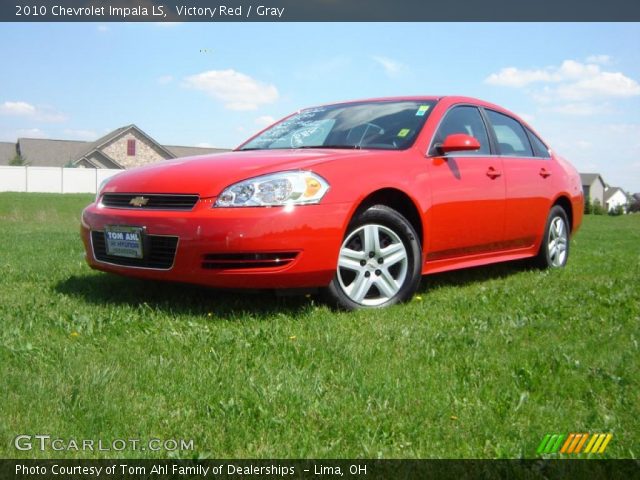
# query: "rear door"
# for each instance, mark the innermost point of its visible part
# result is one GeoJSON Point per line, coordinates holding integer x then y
{"type": "Point", "coordinates": [468, 191]}
{"type": "Point", "coordinates": [528, 175]}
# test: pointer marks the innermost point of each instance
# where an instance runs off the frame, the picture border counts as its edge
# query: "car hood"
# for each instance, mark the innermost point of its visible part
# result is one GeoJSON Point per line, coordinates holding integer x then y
{"type": "Point", "coordinates": [208, 175]}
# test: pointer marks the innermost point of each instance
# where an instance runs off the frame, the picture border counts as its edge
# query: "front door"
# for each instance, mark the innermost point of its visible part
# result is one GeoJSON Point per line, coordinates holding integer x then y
{"type": "Point", "coordinates": [468, 192]}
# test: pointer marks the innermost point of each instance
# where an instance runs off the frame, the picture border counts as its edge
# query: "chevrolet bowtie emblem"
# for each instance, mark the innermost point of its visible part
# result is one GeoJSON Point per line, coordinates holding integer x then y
{"type": "Point", "coordinates": [138, 201]}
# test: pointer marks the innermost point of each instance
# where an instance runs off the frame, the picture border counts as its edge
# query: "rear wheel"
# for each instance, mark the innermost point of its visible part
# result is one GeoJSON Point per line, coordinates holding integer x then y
{"type": "Point", "coordinates": [554, 249]}
{"type": "Point", "coordinates": [379, 263]}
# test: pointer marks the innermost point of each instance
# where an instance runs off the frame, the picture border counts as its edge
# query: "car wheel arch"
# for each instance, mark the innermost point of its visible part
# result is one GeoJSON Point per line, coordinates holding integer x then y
{"type": "Point", "coordinates": [379, 272]}
{"type": "Point", "coordinates": [564, 202]}
{"type": "Point", "coordinates": [396, 199]}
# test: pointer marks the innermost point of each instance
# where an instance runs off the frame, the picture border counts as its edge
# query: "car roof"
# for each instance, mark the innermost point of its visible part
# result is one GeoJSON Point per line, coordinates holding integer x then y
{"type": "Point", "coordinates": [449, 98]}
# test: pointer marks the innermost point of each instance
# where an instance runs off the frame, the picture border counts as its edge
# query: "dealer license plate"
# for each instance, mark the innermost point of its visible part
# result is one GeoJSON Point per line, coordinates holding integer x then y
{"type": "Point", "coordinates": [123, 241]}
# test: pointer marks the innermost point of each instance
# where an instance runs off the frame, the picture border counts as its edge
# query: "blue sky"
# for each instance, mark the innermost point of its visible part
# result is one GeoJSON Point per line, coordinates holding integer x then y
{"type": "Point", "coordinates": [215, 83]}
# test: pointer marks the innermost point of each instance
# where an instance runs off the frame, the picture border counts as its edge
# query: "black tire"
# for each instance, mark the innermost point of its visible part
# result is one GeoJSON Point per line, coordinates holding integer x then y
{"type": "Point", "coordinates": [547, 257]}
{"type": "Point", "coordinates": [394, 240]}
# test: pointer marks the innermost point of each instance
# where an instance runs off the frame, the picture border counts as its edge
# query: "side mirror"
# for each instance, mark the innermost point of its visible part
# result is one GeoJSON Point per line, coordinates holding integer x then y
{"type": "Point", "coordinates": [459, 142]}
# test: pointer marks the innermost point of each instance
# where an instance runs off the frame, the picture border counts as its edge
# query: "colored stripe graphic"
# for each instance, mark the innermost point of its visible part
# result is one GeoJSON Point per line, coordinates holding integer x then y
{"type": "Point", "coordinates": [598, 443]}
{"type": "Point", "coordinates": [599, 440]}
{"type": "Point", "coordinates": [584, 439]}
{"type": "Point", "coordinates": [543, 444]}
{"type": "Point", "coordinates": [605, 443]}
{"type": "Point", "coordinates": [550, 444]}
{"type": "Point", "coordinates": [566, 445]}
{"type": "Point", "coordinates": [574, 442]}
{"type": "Point", "coordinates": [590, 444]}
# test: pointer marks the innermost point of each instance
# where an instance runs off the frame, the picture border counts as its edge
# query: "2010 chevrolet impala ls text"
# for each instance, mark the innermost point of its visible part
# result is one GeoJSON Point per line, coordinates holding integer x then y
{"type": "Point", "coordinates": [358, 199]}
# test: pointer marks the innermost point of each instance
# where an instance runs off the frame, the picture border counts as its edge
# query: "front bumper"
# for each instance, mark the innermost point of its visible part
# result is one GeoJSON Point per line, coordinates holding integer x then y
{"type": "Point", "coordinates": [314, 232]}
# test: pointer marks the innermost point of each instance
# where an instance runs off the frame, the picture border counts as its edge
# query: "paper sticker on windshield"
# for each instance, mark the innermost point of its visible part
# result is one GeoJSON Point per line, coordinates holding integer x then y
{"type": "Point", "coordinates": [404, 132]}
{"type": "Point", "coordinates": [422, 110]}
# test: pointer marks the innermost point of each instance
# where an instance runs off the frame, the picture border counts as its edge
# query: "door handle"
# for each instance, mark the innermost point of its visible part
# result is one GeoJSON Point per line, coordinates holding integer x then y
{"type": "Point", "coordinates": [544, 173]}
{"type": "Point", "coordinates": [492, 173]}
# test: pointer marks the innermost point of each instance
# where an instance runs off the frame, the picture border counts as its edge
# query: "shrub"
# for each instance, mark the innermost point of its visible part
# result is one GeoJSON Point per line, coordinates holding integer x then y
{"type": "Point", "coordinates": [597, 208]}
{"type": "Point", "coordinates": [617, 210]}
{"type": "Point", "coordinates": [587, 206]}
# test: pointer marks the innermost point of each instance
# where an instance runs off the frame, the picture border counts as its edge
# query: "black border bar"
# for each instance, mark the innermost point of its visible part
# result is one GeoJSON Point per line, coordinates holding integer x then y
{"type": "Point", "coordinates": [325, 469]}
{"type": "Point", "coordinates": [319, 10]}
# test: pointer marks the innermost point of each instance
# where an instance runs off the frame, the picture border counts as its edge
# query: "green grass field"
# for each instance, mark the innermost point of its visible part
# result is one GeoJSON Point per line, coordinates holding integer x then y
{"type": "Point", "coordinates": [482, 363]}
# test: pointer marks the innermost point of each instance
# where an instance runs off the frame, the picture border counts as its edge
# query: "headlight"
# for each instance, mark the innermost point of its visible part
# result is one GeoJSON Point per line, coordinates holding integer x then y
{"type": "Point", "coordinates": [276, 189]}
{"type": "Point", "coordinates": [103, 184]}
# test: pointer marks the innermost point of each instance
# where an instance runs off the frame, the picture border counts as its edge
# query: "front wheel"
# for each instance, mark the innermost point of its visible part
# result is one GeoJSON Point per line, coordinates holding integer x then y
{"type": "Point", "coordinates": [379, 263]}
{"type": "Point", "coordinates": [554, 249]}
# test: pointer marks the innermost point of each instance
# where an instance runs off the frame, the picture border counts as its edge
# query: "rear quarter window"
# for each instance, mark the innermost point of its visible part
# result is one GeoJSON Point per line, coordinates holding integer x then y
{"type": "Point", "coordinates": [510, 135]}
{"type": "Point", "coordinates": [539, 148]}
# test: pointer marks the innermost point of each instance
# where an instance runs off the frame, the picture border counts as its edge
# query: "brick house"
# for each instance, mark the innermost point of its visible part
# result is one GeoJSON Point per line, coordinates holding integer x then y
{"type": "Point", "coordinates": [123, 148]}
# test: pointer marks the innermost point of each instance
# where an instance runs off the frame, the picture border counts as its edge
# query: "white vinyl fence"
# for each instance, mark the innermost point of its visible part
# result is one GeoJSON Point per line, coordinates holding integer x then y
{"type": "Point", "coordinates": [52, 179]}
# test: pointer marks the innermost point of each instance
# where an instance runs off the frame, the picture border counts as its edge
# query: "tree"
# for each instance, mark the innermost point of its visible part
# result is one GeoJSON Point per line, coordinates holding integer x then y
{"type": "Point", "coordinates": [18, 161]}
{"type": "Point", "coordinates": [587, 206]}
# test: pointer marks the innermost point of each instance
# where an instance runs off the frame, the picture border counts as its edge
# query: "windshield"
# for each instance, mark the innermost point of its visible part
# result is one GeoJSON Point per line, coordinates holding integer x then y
{"type": "Point", "coordinates": [388, 125]}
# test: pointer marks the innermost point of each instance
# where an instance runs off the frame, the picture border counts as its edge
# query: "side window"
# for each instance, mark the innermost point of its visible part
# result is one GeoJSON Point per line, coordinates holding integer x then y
{"type": "Point", "coordinates": [512, 139]}
{"type": "Point", "coordinates": [539, 148]}
{"type": "Point", "coordinates": [463, 119]}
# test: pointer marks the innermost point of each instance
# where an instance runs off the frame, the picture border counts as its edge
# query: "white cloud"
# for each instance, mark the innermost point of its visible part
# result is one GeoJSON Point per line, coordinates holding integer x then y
{"type": "Point", "coordinates": [567, 71]}
{"type": "Point", "coordinates": [103, 28]}
{"type": "Point", "coordinates": [73, 134]}
{"type": "Point", "coordinates": [24, 109]}
{"type": "Point", "coordinates": [17, 108]}
{"type": "Point", "coordinates": [236, 90]}
{"type": "Point", "coordinates": [165, 79]}
{"type": "Point", "coordinates": [514, 77]}
{"type": "Point", "coordinates": [602, 84]}
{"type": "Point", "coordinates": [265, 120]}
{"type": "Point", "coordinates": [570, 87]}
{"type": "Point", "coordinates": [601, 59]}
{"type": "Point", "coordinates": [391, 67]}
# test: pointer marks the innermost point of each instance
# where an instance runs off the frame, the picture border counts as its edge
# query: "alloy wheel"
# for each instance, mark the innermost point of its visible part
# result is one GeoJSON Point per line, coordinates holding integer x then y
{"type": "Point", "coordinates": [557, 242]}
{"type": "Point", "coordinates": [372, 265]}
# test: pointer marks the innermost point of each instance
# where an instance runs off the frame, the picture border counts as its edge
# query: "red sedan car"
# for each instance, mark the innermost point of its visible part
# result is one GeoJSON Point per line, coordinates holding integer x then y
{"type": "Point", "coordinates": [358, 199]}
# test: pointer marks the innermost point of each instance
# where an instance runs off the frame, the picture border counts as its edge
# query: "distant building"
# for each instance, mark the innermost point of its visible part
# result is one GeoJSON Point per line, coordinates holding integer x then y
{"type": "Point", "coordinates": [125, 147]}
{"type": "Point", "coordinates": [593, 187]}
{"type": "Point", "coordinates": [615, 196]}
